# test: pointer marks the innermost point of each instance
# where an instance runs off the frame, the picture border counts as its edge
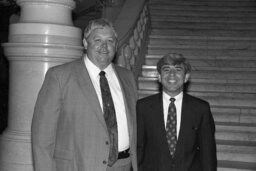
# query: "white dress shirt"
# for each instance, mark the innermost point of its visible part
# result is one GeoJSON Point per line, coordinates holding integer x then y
{"type": "Point", "coordinates": [117, 96]}
{"type": "Point", "coordinates": [178, 104]}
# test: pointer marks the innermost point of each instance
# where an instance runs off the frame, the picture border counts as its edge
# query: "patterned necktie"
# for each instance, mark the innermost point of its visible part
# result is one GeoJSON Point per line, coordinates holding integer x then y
{"type": "Point", "coordinates": [171, 132]}
{"type": "Point", "coordinates": [110, 118]}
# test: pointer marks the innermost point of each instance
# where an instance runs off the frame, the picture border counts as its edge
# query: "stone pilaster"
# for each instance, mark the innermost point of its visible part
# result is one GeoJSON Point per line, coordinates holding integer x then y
{"type": "Point", "coordinates": [43, 37]}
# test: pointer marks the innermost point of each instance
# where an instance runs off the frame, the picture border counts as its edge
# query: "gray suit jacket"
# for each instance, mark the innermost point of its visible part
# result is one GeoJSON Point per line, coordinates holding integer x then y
{"type": "Point", "coordinates": [68, 129]}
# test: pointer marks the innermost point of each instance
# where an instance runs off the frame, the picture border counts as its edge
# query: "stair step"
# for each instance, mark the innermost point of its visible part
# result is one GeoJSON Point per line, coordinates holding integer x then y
{"type": "Point", "coordinates": [237, 157]}
{"type": "Point", "coordinates": [228, 99]}
{"type": "Point", "coordinates": [236, 136]}
{"type": "Point", "coordinates": [168, 48]}
{"type": "Point", "coordinates": [234, 115]}
{"type": "Point", "coordinates": [236, 154]}
{"type": "Point", "coordinates": [205, 19]}
{"type": "Point", "coordinates": [200, 37]}
{"type": "Point", "coordinates": [206, 4]}
{"type": "Point", "coordinates": [236, 149]}
{"type": "Point", "coordinates": [200, 64]}
{"type": "Point", "coordinates": [228, 110]}
{"type": "Point", "coordinates": [209, 12]}
{"type": "Point", "coordinates": [225, 165]}
{"type": "Point", "coordinates": [209, 80]}
{"type": "Point", "coordinates": [228, 88]}
{"type": "Point", "coordinates": [202, 44]}
{"type": "Point", "coordinates": [200, 25]}
{"type": "Point", "coordinates": [234, 127]}
{"type": "Point", "coordinates": [153, 84]}
{"type": "Point", "coordinates": [237, 168]}
{"type": "Point", "coordinates": [204, 32]}
{"type": "Point", "coordinates": [225, 0]}
{"type": "Point", "coordinates": [236, 143]}
{"type": "Point", "coordinates": [221, 9]}
{"type": "Point", "coordinates": [150, 71]}
{"type": "Point", "coordinates": [235, 118]}
{"type": "Point", "coordinates": [205, 53]}
{"type": "Point", "coordinates": [209, 44]}
{"type": "Point", "coordinates": [224, 81]}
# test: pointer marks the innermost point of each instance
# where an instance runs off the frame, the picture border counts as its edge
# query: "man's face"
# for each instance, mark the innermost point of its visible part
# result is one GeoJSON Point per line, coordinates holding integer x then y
{"type": "Point", "coordinates": [172, 78]}
{"type": "Point", "coordinates": [101, 46]}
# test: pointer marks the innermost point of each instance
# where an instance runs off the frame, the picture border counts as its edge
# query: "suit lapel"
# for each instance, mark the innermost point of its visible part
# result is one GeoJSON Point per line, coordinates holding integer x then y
{"type": "Point", "coordinates": [157, 110]}
{"type": "Point", "coordinates": [89, 92]}
{"type": "Point", "coordinates": [125, 90]}
{"type": "Point", "coordinates": [185, 114]}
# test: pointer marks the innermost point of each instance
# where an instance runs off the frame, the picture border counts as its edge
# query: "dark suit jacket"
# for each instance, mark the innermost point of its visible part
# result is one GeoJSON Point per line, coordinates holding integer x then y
{"type": "Point", "coordinates": [69, 132]}
{"type": "Point", "coordinates": [196, 147]}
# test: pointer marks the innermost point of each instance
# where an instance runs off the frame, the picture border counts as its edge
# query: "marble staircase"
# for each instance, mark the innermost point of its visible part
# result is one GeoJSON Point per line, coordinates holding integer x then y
{"type": "Point", "coordinates": [219, 39]}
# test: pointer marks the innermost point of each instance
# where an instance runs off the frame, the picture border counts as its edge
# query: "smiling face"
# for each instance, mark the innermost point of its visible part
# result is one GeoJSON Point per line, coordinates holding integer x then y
{"type": "Point", "coordinates": [173, 78]}
{"type": "Point", "coordinates": [101, 46]}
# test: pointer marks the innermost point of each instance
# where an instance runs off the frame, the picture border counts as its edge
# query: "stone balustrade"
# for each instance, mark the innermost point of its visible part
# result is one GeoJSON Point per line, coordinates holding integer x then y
{"type": "Point", "coordinates": [133, 48]}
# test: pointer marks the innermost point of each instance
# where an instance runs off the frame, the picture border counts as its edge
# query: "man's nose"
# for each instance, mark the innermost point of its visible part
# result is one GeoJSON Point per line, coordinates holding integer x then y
{"type": "Point", "coordinates": [172, 72]}
{"type": "Point", "coordinates": [104, 44]}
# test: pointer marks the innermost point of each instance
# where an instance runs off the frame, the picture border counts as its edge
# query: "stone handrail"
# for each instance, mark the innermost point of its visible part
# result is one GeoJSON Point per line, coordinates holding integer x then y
{"type": "Point", "coordinates": [132, 26]}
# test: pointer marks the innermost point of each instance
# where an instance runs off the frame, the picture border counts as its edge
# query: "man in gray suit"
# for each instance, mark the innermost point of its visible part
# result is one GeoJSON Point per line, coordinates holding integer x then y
{"type": "Point", "coordinates": [69, 132]}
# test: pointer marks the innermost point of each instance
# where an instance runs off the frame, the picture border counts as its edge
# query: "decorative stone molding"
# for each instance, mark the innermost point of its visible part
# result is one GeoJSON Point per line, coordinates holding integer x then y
{"type": "Point", "coordinates": [43, 37]}
{"type": "Point", "coordinates": [46, 11]}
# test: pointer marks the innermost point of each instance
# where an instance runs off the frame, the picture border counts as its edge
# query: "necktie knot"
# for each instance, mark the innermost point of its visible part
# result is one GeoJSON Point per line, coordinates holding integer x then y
{"type": "Point", "coordinates": [102, 73]}
{"type": "Point", "coordinates": [172, 100]}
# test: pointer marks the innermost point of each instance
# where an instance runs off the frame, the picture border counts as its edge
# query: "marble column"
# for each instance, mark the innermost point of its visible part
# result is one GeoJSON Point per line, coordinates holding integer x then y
{"type": "Point", "coordinates": [43, 37]}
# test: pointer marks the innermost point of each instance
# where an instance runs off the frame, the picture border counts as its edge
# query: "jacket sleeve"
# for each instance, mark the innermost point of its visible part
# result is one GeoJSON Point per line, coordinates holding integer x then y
{"type": "Point", "coordinates": [44, 123]}
{"type": "Point", "coordinates": [140, 134]}
{"type": "Point", "coordinates": [207, 141]}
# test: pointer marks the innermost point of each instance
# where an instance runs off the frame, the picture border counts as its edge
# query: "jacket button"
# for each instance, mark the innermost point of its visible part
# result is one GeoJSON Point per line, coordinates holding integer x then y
{"type": "Point", "coordinates": [106, 142]}
{"type": "Point", "coordinates": [104, 162]}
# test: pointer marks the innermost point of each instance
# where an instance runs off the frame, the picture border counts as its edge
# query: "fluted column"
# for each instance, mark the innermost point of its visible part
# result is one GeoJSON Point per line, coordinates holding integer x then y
{"type": "Point", "coordinates": [43, 37]}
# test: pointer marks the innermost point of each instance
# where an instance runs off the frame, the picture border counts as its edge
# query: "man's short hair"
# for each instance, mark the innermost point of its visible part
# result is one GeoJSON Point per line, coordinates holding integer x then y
{"type": "Point", "coordinates": [98, 24]}
{"type": "Point", "coordinates": [173, 59]}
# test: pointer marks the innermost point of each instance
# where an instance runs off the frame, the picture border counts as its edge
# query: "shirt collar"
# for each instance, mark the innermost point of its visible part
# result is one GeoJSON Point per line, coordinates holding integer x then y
{"type": "Point", "coordinates": [177, 98]}
{"type": "Point", "coordinates": [94, 70]}
{"type": "Point", "coordinates": [109, 70]}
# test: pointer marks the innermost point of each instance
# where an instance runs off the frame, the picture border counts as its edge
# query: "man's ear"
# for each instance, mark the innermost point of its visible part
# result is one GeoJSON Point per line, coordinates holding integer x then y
{"type": "Point", "coordinates": [187, 76]}
{"type": "Point", "coordinates": [159, 77]}
{"type": "Point", "coordinates": [85, 43]}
